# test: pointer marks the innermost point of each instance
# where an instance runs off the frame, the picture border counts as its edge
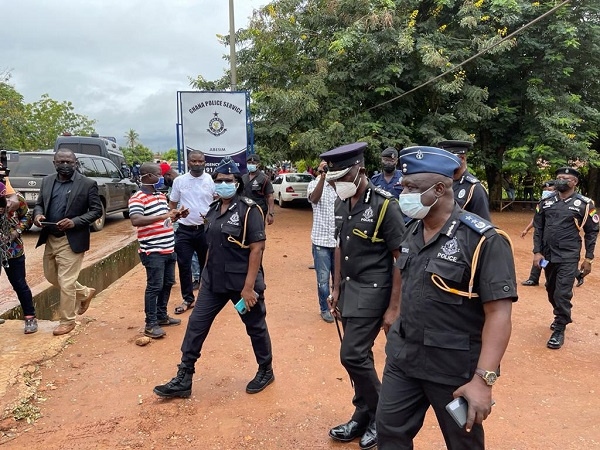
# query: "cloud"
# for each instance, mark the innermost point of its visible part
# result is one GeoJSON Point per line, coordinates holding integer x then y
{"type": "Point", "coordinates": [119, 62]}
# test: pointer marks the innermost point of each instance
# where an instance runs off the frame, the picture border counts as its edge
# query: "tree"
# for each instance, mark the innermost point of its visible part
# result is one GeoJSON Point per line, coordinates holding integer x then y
{"type": "Point", "coordinates": [138, 153]}
{"type": "Point", "coordinates": [12, 115]}
{"type": "Point", "coordinates": [170, 155]}
{"type": "Point", "coordinates": [131, 138]}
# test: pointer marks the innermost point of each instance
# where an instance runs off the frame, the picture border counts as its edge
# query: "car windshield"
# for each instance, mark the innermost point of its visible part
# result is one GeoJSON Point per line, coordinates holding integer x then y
{"type": "Point", "coordinates": [299, 178]}
{"type": "Point", "coordinates": [30, 165]}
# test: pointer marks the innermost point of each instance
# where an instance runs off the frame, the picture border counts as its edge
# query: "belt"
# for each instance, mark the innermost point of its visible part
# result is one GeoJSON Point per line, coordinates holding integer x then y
{"type": "Point", "coordinates": [191, 227]}
{"type": "Point", "coordinates": [57, 233]}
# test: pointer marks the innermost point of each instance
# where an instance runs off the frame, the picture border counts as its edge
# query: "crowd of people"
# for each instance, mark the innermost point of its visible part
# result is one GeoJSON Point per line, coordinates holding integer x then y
{"type": "Point", "coordinates": [411, 251]}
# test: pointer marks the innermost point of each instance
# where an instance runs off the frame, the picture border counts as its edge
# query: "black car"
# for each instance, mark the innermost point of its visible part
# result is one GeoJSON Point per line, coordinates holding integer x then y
{"type": "Point", "coordinates": [26, 177]}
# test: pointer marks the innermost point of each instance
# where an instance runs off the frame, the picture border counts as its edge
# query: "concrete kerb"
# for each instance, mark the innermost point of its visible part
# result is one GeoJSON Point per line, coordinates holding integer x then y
{"type": "Point", "coordinates": [98, 275]}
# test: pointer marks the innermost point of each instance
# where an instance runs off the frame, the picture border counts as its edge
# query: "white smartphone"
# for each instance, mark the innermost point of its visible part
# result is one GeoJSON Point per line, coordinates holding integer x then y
{"type": "Point", "coordinates": [458, 408]}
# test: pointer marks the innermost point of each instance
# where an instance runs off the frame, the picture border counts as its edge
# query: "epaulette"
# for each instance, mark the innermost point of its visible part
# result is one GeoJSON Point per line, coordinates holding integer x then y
{"type": "Point", "coordinates": [214, 203]}
{"type": "Point", "coordinates": [584, 198]}
{"type": "Point", "coordinates": [383, 192]}
{"type": "Point", "coordinates": [247, 201]}
{"type": "Point", "coordinates": [471, 179]}
{"type": "Point", "coordinates": [475, 222]}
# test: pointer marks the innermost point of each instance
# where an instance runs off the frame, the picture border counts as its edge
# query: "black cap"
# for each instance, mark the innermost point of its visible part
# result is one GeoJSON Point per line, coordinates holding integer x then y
{"type": "Point", "coordinates": [568, 171]}
{"type": "Point", "coordinates": [227, 166]}
{"type": "Point", "coordinates": [341, 159]}
{"type": "Point", "coordinates": [390, 152]}
{"type": "Point", "coordinates": [253, 157]}
{"type": "Point", "coordinates": [456, 147]}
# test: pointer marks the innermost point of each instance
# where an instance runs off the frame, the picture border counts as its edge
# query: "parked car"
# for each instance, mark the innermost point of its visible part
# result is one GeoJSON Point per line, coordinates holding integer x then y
{"type": "Point", "coordinates": [288, 187]}
{"type": "Point", "coordinates": [26, 177]}
{"type": "Point", "coordinates": [92, 145]}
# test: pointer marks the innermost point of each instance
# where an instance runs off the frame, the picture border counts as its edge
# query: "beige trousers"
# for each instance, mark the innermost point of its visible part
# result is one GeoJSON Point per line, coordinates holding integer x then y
{"type": "Point", "coordinates": [61, 268]}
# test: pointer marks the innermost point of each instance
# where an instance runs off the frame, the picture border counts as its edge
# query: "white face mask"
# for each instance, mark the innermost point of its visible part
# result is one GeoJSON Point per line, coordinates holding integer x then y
{"type": "Point", "coordinates": [346, 189]}
{"type": "Point", "coordinates": [546, 194]}
{"type": "Point", "coordinates": [411, 204]}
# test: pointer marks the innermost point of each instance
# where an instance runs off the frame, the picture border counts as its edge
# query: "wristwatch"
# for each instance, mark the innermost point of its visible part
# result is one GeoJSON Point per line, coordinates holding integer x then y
{"type": "Point", "coordinates": [18, 230]}
{"type": "Point", "coordinates": [489, 377]}
{"type": "Point", "coordinates": [588, 260]}
{"type": "Point", "coordinates": [271, 214]}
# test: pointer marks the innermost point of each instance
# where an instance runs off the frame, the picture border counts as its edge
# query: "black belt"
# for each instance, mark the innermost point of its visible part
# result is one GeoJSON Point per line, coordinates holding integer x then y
{"type": "Point", "coordinates": [191, 227]}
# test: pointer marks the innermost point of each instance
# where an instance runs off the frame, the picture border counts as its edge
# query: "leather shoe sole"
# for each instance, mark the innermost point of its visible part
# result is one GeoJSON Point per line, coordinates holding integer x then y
{"type": "Point", "coordinates": [529, 283]}
{"type": "Point", "coordinates": [180, 394]}
{"type": "Point", "coordinates": [85, 303]}
{"type": "Point", "coordinates": [63, 329]}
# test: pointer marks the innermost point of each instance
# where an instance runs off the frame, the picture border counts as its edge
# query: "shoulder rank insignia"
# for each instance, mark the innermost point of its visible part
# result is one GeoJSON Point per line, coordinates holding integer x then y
{"type": "Point", "coordinates": [475, 222]}
{"type": "Point", "coordinates": [383, 192]}
{"type": "Point", "coordinates": [247, 201]}
{"type": "Point", "coordinates": [471, 179]}
{"type": "Point", "coordinates": [584, 198]}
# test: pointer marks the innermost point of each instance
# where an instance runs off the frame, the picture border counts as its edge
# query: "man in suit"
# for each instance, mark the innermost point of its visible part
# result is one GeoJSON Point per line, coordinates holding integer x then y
{"type": "Point", "coordinates": [67, 204]}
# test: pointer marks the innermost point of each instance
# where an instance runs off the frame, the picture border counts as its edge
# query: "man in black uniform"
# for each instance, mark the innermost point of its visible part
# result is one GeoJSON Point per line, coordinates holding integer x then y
{"type": "Point", "coordinates": [258, 187]}
{"type": "Point", "coordinates": [366, 293]}
{"type": "Point", "coordinates": [236, 241]}
{"type": "Point", "coordinates": [468, 191]}
{"type": "Point", "coordinates": [390, 178]}
{"type": "Point", "coordinates": [557, 222]}
{"type": "Point", "coordinates": [458, 285]}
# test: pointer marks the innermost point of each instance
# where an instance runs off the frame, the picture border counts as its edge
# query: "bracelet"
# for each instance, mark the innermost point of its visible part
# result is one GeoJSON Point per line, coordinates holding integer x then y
{"type": "Point", "coordinates": [588, 260]}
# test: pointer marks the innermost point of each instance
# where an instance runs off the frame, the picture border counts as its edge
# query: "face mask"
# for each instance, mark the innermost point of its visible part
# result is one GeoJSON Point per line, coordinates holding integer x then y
{"type": "Point", "coordinates": [346, 189]}
{"type": "Point", "coordinates": [389, 168]}
{"type": "Point", "coordinates": [252, 167]}
{"type": "Point", "coordinates": [546, 194]}
{"type": "Point", "coordinates": [160, 183]}
{"type": "Point", "coordinates": [66, 171]}
{"type": "Point", "coordinates": [199, 170]}
{"type": "Point", "coordinates": [225, 190]}
{"type": "Point", "coordinates": [169, 182]}
{"type": "Point", "coordinates": [411, 205]}
{"type": "Point", "coordinates": [562, 185]}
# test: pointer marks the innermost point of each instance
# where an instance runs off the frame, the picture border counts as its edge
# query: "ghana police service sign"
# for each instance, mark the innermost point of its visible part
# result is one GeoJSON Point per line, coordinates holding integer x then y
{"type": "Point", "coordinates": [215, 123]}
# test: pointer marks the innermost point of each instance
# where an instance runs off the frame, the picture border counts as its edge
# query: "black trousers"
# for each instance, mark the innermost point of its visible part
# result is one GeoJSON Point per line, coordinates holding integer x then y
{"type": "Point", "coordinates": [356, 355]}
{"type": "Point", "coordinates": [559, 286]}
{"type": "Point", "coordinates": [187, 241]}
{"type": "Point", "coordinates": [208, 306]}
{"type": "Point", "coordinates": [534, 274]}
{"type": "Point", "coordinates": [403, 402]}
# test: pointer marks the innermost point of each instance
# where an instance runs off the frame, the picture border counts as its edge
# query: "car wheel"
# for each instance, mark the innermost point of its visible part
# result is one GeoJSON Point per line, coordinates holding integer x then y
{"type": "Point", "coordinates": [98, 224]}
{"type": "Point", "coordinates": [282, 204]}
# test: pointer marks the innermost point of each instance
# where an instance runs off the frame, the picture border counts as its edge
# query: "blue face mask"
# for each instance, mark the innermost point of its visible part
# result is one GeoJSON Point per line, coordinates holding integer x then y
{"type": "Point", "coordinates": [225, 190]}
{"type": "Point", "coordinates": [251, 167]}
{"type": "Point", "coordinates": [160, 183]}
{"type": "Point", "coordinates": [546, 194]}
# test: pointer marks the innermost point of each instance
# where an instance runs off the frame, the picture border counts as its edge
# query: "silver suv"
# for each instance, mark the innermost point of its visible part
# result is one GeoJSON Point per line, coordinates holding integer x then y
{"type": "Point", "coordinates": [27, 172]}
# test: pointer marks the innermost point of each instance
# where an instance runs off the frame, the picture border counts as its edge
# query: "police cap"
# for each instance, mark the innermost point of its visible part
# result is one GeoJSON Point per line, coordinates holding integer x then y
{"type": "Point", "coordinates": [456, 147]}
{"type": "Point", "coordinates": [390, 152]}
{"type": "Point", "coordinates": [341, 159]}
{"type": "Point", "coordinates": [253, 157]}
{"type": "Point", "coordinates": [568, 171]}
{"type": "Point", "coordinates": [428, 160]}
{"type": "Point", "coordinates": [227, 166]}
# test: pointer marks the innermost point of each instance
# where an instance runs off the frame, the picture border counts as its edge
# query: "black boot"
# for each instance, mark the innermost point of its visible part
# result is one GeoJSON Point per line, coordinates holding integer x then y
{"type": "Point", "coordinates": [263, 378]}
{"type": "Point", "coordinates": [180, 386]}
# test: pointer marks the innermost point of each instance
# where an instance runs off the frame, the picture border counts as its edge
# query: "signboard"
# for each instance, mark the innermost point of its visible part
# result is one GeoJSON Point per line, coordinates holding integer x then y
{"type": "Point", "coordinates": [216, 123]}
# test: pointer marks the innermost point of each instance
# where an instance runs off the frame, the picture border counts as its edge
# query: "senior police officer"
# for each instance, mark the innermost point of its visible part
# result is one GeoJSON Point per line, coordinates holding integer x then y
{"type": "Point", "coordinates": [390, 178]}
{"type": "Point", "coordinates": [258, 187]}
{"type": "Point", "coordinates": [458, 285]}
{"type": "Point", "coordinates": [366, 293]}
{"type": "Point", "coordinates": [468, 191]}
{"type": "Point", "coordinates": [236, 240]}
{"type": "Point", "coordinates": [557, 222]}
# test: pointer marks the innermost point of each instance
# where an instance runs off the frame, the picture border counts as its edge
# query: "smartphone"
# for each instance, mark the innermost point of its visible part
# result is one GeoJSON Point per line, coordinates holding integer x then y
{"type": "Point", "coordinates": [45, 224]}
{"type": "Point", "coordinates": [458, 408]}
{"type": "Point", "coordinates": [241, 306]}
{"type": "Point", "coordinates": [543, 263]}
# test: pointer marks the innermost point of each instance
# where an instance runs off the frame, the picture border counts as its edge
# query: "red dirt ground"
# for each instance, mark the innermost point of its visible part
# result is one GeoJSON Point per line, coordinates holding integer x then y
{"type": "Point", "coordinates": [98, 392]}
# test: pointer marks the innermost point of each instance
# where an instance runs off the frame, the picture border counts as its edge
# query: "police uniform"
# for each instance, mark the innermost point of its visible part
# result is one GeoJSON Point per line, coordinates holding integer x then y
{"type": "Point", "coordinates": [367, 235]}
{"type": "Point", "coordinates": [228, 235]}
{"type": "Point", "coordinates": [434, 346]}
{"type": "Point", "coordinates": [468, 191]}
{"type": "Point", "coordinates": [557, 224]}
{"type": "Point", "coordinates": [258, 187]}
{"type": "Point", "coordinates": [394, 186]}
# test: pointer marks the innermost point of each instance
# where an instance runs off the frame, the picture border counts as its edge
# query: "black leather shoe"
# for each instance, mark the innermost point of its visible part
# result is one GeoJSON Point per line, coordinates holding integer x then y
{"type": "Point", "coordinates": [529, 283]}
{"type": "Point", "coordinates": [179, 386]}
{"type": "Point", "coordinates": [557, 339]}
{"type": "Point", "coordinates": [261, 380]}
{"type": "Point", "coordinates": [347, 432]}
{"type": "Point", "coordinates": [369, 439]}
{"type": "Point", "coordinates": [580, 280]}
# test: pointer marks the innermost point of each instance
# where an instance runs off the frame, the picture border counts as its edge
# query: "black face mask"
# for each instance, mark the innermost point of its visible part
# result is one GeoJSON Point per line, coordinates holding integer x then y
{"type": "Point", "coordinates": [168, 182]}
{"type": "Point", "coordinates": [66, 171]}
{"type": "Point", "coordinates": [561, 185]}
{"type": "Point", "coordinates": [199, 170]}
{"type": "Point", "coordinates": [389, 168]}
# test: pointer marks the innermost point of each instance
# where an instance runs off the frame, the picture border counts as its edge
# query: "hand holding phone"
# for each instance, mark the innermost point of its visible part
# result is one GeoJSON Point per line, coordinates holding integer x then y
{"type": "Point", "coordinates": [45, 224]}
{"type": "Point", "coordinates": [241, 307]}
{"type": "Point", "coordinates": [458, 409]}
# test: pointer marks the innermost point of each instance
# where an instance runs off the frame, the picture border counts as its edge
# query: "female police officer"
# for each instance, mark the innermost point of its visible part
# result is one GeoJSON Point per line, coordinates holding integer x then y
{"type": "Point", "coordinates": [233, 271]}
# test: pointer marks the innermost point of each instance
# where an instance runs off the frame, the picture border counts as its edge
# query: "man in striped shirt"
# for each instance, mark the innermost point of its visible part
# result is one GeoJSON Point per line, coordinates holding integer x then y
{"type": "Point", "coordinates": [150, 213]}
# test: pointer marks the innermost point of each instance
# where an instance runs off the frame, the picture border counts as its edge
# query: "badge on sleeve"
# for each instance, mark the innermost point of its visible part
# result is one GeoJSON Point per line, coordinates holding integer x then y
{"type": "Point", "coordinates": [462, 193]}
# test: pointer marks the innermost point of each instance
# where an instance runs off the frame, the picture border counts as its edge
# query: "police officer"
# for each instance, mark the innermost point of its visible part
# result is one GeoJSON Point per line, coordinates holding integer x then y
{"type": "Point", "coordinates": [557, 222]}
{"type": "Point", "coordinates": [468, 191]}
{"type": "Point", "coordinates": [258, 187]}
{"type": "Point", "coordinates": [390, 179]}
{"type": "Point", "coordinates": [369, 229]}
{"type": "Point", "coordinates": [236, 240]}
{"type": "Point", "coordinates": [458, 285]}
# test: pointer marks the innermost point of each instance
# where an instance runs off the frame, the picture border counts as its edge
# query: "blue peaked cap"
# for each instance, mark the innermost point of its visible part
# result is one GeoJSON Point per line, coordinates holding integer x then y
{"type": "Point", "coordinates": [227, 166]}
{"type": "Point", "coordinates": [428, 160]}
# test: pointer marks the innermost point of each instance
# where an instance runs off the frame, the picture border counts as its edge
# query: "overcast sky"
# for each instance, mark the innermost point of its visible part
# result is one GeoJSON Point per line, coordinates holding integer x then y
{"type": "Point", "coordinates": [120, 62]}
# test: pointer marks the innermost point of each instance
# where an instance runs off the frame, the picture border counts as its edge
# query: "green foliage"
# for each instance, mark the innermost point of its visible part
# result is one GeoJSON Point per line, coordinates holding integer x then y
{"type": "Point", "coordinates": [138, 153]}
{"type": "Point", "coordinates": [12, 115]}
{"type": "Point", "coordinates": [170, 155]}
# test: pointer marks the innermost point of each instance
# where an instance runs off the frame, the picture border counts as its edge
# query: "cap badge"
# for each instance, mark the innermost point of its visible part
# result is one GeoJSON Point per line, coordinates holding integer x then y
{"type": "Point", "coordinates": [419, 155]}
{"type": "Point", "coordinates": [566, 170]}
{"type": "Point", "coordinates": [330, 164]}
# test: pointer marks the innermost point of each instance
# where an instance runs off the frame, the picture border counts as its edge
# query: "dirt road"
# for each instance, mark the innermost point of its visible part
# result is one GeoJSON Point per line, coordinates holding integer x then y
{"type": "Point", "coordinates": [98, 392]}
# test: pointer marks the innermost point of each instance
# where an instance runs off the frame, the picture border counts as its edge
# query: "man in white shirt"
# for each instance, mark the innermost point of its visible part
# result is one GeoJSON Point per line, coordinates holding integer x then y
{"type": "Point", "coordinates": [322, 198]}
{"type": "Point", "coordinates": [194, 191]}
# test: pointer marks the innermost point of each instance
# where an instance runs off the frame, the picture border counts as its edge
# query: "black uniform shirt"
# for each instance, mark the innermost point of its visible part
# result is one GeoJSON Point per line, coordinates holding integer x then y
{"type": "Point", "coordinates": [227, 263]}
{"type": "Point", "coordinates": [438, 334]}
{"type": "Point", "coordinates": [258, 188]}
{"type": "Point", "coordinates": [366, 266]}
{"type": "Point", "coordinates": [478, 203]}
{"type": "Point", "coordinates": [556, 223]}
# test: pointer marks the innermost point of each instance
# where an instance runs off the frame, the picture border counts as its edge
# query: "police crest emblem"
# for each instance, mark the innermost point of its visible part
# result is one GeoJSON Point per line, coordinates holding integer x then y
{"type": "Point", "coordinates": [451, 247]}
{"type": "Point", "coordinates": [461, 193]}
{"type": "Point", "coordinates": [234, 219]}
{"type": "Point", "coordinates": [216, 126]}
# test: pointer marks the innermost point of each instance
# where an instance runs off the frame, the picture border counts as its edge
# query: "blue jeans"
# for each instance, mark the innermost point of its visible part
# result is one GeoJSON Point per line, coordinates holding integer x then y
{"type": "Point", "coordinates": [16, 274]}
{"type": "Point", "coordinates": [195, 267]}
{"type": "Point", "coordinates": [160, 277]}
{"type": "Point", "coordinates": [324, 258]}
